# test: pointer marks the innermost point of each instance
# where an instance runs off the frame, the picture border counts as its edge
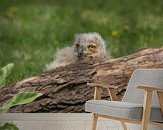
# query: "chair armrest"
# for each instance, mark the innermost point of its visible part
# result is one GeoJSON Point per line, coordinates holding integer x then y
{"type": "Point", "coordinates": [98, 87]}
{"type": "Point", "coordinates": [148, 88]}
{"type": "Point", "coordinates": [102, 85]}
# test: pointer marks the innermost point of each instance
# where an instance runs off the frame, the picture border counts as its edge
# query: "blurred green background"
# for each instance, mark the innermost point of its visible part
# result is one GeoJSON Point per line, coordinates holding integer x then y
{"type": "Point", "coordinates": [32, 30]}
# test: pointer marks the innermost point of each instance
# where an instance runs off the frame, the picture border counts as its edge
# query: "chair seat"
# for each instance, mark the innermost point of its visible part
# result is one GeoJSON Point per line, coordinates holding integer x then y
{"type": "Point", "coordinates": [125, 110]}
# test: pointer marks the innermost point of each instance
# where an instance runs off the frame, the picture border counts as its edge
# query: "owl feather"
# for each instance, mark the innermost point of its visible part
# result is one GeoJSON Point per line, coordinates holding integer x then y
{"type": "Point", "coordinates": [85, 46]}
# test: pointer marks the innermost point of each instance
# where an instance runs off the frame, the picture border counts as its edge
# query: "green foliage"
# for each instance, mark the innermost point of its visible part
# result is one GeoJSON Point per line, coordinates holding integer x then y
{"type": "Point", "coordinates": [32, 30]}
{"type": "Point", "coordinates": [8, 126]}
{"type": "Point", "coordinates": [20, 99]}
{"type": "Point", "coordinates": [4, 72]}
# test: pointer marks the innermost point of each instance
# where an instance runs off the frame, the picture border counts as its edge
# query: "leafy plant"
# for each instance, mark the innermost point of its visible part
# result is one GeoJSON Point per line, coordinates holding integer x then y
{"type": "Point", "coordinates": [18, 99]}
{"type": "Point", "coordinates": [4, 72]}
{"type": "Point", "coordinates": [8, 126]}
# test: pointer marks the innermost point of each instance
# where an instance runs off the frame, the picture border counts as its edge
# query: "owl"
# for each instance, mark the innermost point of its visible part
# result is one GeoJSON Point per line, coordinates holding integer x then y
{"type": "Point", "coordinates": [86, 46]}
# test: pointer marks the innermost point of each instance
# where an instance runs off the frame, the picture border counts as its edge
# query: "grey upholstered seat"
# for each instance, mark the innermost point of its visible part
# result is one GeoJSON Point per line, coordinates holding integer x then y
{"type": "Point", "coordinates": [125, 110]}
{"type": "Point", "coordinates": [131, 106]}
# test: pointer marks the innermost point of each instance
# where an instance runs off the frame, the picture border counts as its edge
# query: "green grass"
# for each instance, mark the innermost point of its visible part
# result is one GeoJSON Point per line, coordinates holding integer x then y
{"type": "Point", "coordinates": [31, 31]}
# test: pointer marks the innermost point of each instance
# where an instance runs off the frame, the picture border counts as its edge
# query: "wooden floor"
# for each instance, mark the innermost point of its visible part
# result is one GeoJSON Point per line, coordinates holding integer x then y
{"type": "Point", "coordinates": [57, 121]}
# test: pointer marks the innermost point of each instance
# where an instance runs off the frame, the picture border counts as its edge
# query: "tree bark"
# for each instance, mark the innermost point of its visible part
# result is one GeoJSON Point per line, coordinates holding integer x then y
{"type": "Point", "coordinates": [65, 88]}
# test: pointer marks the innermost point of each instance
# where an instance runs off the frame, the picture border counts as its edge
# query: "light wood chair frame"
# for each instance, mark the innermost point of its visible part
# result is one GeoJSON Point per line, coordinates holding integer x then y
{"type": "Point", "coordinates": [146, 106]}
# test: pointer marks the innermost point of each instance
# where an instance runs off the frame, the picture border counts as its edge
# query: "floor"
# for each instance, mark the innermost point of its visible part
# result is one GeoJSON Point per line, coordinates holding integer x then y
{"type": "Point", "coordinates": [58, 121]}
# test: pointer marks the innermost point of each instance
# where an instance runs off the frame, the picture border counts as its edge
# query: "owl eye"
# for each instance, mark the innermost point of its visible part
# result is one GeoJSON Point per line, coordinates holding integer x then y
{"type": "Point", "coordinates": [77, 45]}
{"type": "Point", "coordinates": [92, 47]}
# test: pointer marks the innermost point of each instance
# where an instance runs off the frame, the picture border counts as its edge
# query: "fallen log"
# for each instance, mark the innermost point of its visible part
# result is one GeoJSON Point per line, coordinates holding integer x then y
{"type": "Point", "coordinates": [65, 88]}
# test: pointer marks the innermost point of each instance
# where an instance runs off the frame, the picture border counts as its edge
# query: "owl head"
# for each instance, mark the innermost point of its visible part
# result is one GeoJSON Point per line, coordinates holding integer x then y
{"type": "Point", "coordinates": [90, 45]}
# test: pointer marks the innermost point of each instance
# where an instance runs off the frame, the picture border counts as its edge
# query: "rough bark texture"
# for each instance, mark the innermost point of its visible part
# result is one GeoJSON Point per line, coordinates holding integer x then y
{"type": "Point", "coordinates": [65, 88]}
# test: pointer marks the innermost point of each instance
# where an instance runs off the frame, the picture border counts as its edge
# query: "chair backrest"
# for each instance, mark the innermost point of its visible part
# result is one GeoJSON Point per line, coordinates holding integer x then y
{"type": "Point", "coordinates": [143, 77]}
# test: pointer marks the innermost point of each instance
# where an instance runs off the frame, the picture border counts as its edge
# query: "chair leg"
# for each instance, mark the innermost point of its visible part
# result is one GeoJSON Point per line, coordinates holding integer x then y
{"type": "Point", "coordinates": [113, 97]}
{"type": "Point", "coordinates": [124, 125]}
{"type": "Point", "coordinates": [146, 110]}
{"type": "Point", "coordinates": [144, 126]}
{"type": "Point", "coordinates": [160, 98]}
{"type": "Point", "coordinates": [94, 121]}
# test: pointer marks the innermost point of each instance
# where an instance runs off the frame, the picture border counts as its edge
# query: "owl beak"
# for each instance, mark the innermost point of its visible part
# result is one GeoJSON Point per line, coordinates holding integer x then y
{"type": "Point", "coordinates": [80, 53]}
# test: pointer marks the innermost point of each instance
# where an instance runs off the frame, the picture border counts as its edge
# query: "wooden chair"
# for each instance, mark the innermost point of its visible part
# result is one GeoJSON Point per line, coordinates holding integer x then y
{"type": "Point", "coordinates": [137, 106]}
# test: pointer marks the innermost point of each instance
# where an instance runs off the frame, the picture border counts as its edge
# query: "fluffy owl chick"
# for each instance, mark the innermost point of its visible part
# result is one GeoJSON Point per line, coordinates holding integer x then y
{"type": "Point", "coordinates": [90, 45]}
{"type": "Point", "coordinates": [62, 57]}
{"type": "Point", "coordinates": [86, 46]}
